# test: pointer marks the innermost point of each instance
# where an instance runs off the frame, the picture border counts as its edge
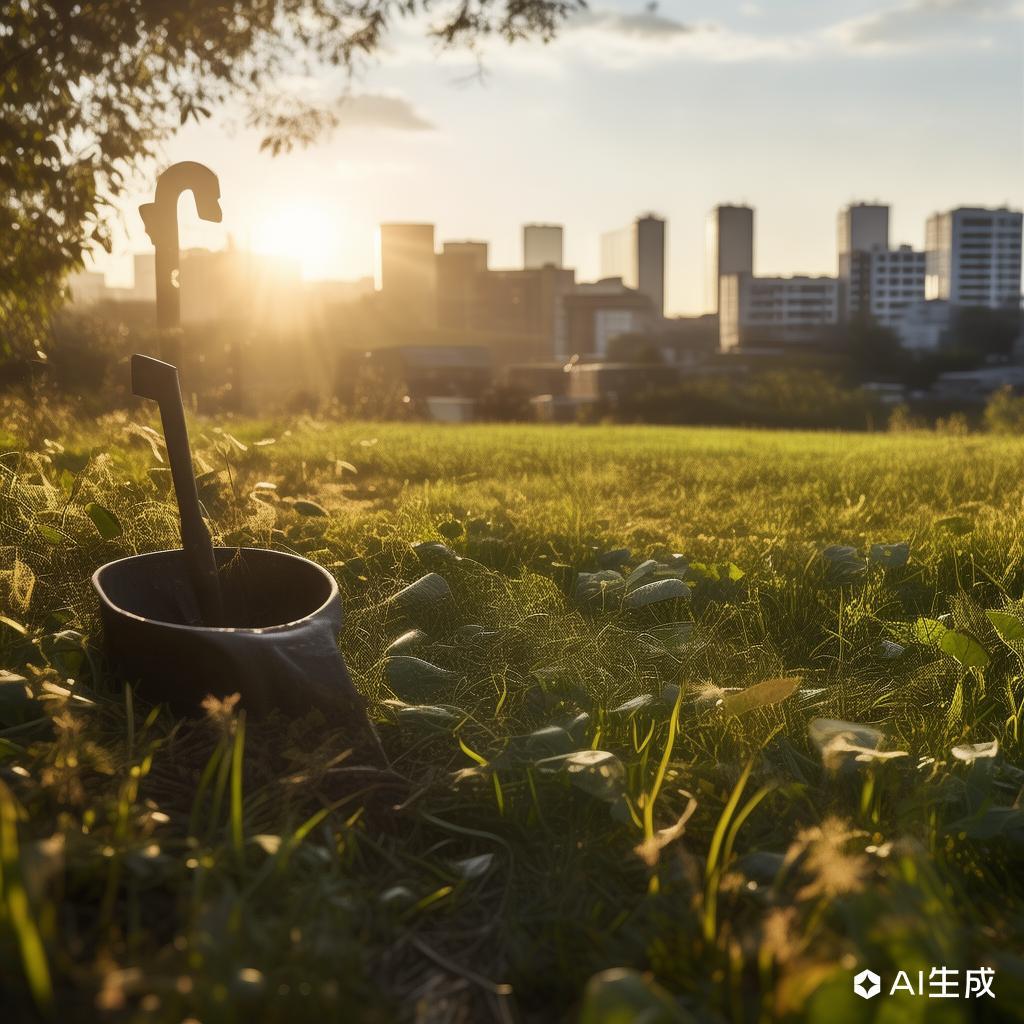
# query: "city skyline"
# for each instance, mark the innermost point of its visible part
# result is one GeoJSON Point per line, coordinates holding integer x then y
{"type": "Point", "coordinates": [673, 110]}
{"type": "Point", "coordinates": [624, 267]}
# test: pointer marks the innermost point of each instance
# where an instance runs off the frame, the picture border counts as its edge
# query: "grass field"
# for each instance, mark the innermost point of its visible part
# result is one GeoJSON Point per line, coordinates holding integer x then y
{"type": "Point", "coordinates": [741, 856]}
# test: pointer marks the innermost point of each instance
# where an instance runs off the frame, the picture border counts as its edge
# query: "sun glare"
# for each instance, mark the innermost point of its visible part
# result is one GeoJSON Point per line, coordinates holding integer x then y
{"type": "Point", "coordinates": [302, 233]}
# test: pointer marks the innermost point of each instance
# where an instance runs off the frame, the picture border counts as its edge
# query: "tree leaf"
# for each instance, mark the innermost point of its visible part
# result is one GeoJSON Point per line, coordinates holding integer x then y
{"type": "Point", "coordinates": [410, 639]}
{"type": "Point", "coordinates": [632, 706]}
{"type": "Point", "coordinates": [473, 867]}
{"type": "Point", "coordinates": [597, 772]}
{"type": "Point", "coordinates": [929, 631]}
{"type": "Point", "coordinates": [309, 508]}
{"type": "Point", "coordinates": [843, 564]}
{"type": "Point", "coordinates": [428, 716]}
{"type": "Point", "coordinates": [1009, 627]}
{"type": "Point", "coordinates": [50, 535]}
{"type": "Point", "coordinates": [964, 648]}
{"type": "Point", "coordinates": [424, 594]}
{"type": "Point", "coordinates": [599, 589]}
{"type": "Point", "coordinates": [890, 556]}
{"type": "Point", "coordinates": [652, 593]}
{"type": "Point", "coordinates": [971, 752]}
{"type": "Point", "coordinates": [412, 678]}
{"type": "Point", "coordinates": [672, 637]}
{"type": "Point", "coordinates": [108, 526]}
{"type": "Point", "coordinates": [771, 691]}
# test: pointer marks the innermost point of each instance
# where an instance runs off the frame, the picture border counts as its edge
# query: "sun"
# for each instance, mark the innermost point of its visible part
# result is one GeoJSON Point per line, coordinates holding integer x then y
{"type": "Point", "coordinates": [302, 233]}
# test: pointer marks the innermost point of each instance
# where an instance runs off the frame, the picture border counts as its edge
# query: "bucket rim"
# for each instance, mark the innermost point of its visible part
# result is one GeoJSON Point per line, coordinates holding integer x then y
{"type": "Point", "coordinates": [334, 594]}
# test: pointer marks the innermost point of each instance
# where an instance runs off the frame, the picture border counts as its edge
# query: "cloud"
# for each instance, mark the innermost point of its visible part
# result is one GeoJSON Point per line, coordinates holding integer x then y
{"type": "Point", "coordinates": [380, 110]}
{"type": "Point", "coordinates": [621, 40]}
{"type": "Point", "coordinates": [626, 39]}
{"type": "Point", "coordinates": [647, 24]}
{"type": "Point", "coordinates": [920, 24]}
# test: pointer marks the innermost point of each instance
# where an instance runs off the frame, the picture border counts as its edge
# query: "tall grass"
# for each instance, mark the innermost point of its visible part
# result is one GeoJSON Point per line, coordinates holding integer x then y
{"type": "Point", "coordinates": [224, 868]}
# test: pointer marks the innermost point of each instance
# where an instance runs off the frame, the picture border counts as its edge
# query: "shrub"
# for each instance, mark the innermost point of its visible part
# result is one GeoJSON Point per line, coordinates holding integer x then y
{"type": "Point", "coordinates": [1004, 413]}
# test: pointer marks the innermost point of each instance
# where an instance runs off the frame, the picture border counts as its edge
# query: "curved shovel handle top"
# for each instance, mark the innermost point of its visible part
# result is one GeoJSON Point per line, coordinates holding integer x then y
{"type": "Point", "coordinates": [160, 218]}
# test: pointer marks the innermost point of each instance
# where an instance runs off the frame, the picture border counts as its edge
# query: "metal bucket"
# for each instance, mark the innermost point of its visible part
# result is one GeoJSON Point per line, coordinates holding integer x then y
{"type": "Point", "coordinates": [278, 649]}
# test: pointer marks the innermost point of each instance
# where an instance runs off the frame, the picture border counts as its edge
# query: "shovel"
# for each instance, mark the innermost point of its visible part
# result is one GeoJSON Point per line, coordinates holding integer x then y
{"type": "Point", "coordinates": [159, 381]}
{"type": "Point", "coordinates": [197, 621]}
{"type": "Point", "coordinates": [203, 620]}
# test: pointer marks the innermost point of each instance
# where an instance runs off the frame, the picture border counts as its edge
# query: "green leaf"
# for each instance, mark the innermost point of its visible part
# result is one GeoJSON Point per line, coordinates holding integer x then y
{"type": "Point", "coordinates": [50, 535]}
{"type": "Point", "coordinates": [929, 631]}
{"type": "Point", "coordinates": [1009, 627]}
{"type": "Point", "coordinates": [108, 526]}
{"type": "Point", "coordinates": [964, 648]}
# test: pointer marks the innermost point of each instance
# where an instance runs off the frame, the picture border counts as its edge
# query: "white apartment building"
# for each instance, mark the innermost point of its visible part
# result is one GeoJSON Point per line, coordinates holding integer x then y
{"type": "Point", "coordinates": [773, 312]}
{"type": "Point", "coordinates": [974, 257]}
{"type": "Point", "coordinates": [895, 280]}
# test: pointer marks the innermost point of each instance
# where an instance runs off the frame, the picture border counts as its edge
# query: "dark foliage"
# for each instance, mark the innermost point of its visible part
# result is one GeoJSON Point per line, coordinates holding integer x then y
{"type": "Point", "coordinates": [87, 92]}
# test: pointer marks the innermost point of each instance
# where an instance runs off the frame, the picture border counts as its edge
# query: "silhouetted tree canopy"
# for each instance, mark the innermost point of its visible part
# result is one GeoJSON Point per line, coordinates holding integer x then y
{"type": "Point", "coordinates": [88, 90]}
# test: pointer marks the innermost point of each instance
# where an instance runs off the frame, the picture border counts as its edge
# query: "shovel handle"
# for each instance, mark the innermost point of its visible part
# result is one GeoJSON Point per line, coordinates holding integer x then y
{"type": "Point", "coordinates": [158, 381]}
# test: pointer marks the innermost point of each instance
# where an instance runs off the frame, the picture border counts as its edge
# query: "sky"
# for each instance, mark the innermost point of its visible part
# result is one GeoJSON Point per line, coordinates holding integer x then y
{"type": "Point", "coordinates": [793, 106]}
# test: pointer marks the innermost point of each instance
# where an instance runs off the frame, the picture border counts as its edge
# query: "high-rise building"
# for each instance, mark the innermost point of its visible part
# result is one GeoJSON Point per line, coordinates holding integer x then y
{"type": "Point", "coordinates": [860, 228]}
{"type": "Point", "coordinates": [774, 312]}
{"type": "Point", "coordinates": [729, 248]}
{"type": "Point", "coordinates": [475, 253]}
{"type": "Point", "coordinates": [542, 246]}
{"type": "Point", "coordinates": [637, 255]}
{"type": "Point", "coordinates": [459, 266]}
{"type": "Point", "coordinates": [973, 257]}
{"type": "Point", "coordinates": [407, 272]}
